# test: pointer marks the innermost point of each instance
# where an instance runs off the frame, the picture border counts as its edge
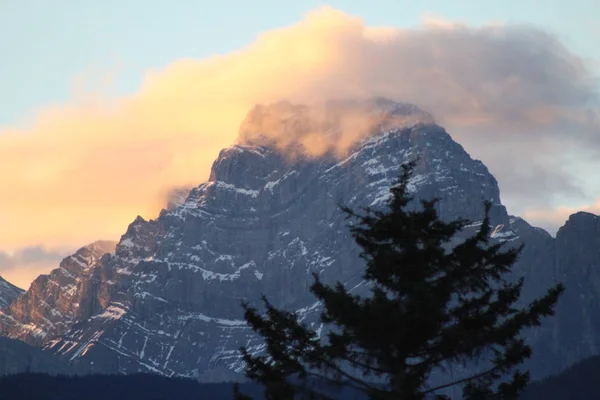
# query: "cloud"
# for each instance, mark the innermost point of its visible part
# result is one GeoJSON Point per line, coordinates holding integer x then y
{"type": "Point", "coordinates": [23, 265]}
{"type": "Point", "coordinates": [331, 126]}
{"type": "Point", "coordinates": [513, 95]}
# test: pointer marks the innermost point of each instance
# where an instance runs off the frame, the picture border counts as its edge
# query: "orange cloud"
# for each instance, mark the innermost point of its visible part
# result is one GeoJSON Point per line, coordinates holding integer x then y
{"type": "Point", "coordinates": [82, 171]}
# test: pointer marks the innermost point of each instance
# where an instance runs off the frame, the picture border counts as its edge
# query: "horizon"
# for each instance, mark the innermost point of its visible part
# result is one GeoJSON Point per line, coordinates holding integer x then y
{"type": "Point", "coordinates": [527, 106]}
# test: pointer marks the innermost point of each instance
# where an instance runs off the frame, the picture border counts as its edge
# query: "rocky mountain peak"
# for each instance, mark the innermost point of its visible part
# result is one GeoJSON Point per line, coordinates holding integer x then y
{"type": "Point", "coordinates": [231, 166]}
{"type": "Point", "coordinates": [90, 253]}
{"type": "Point", "coordinates": [277, 143]}
{"type": "Point", "coordinates": [320, 128]}
{"type": "Point", "coordinates": [54, 301]}
{"type": "Point", "coordinates": [582, 222]}
{"type": "Point", "coordinates": [176, 197]}
{"type": "Point", "coordinates": [100, 247]}
{"type": "Point", "coordinates": [576, 330]}
{"type": "Point", "coordinates": [167, 300]}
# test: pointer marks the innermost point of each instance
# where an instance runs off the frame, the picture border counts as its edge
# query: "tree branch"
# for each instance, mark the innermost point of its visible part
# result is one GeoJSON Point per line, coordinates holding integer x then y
{"type": "Point", "coordinates": [458, 382]}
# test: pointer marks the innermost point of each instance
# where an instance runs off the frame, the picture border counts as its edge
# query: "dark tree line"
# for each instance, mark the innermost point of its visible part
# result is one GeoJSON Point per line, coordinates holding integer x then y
{"type": "Point", "coordinates": [434, 302]}
{"type": "Point", "coordinates": [31, 386]}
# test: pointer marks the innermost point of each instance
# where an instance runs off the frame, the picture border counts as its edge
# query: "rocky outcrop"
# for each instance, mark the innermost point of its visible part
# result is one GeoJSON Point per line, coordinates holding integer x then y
{"type": "Point", "coordinates": [55, 301]}
{"type": "Point", "coordinates": [262, 225]}
{"type": "Point", "coordinates": [576, 330]}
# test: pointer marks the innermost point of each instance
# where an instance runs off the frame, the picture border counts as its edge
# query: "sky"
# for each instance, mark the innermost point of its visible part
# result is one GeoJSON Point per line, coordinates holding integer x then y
{"type": "Point", "coordinates": [105, 106]}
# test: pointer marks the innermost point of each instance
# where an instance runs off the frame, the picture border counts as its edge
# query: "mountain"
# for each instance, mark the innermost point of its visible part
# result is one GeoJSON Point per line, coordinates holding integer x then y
{"type": "Point", "coordinates": [575, 334]}
{"type": "Point", "coordinates": [167, 299]}
{"type": "Point", "coordinates": [8, 292]}
{"type": "Point", "coordinates": [55, 301]}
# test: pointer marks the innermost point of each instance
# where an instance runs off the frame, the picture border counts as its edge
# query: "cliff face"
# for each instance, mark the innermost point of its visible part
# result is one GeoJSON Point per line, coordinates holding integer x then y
{"type": "Point", "coordinates": [577, 247]}
{"type": "Point", "coordinates": [55, 301]}
{"type": "Point", "coordinates": [167, 300]}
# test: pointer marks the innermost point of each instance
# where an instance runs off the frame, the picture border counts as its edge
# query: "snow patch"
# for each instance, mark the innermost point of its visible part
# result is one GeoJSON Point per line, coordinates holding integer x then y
{"type": "Point", "coordinates": [112, 312]}
{"type": "Point", "coordinates": [228, 186]}
{"type": "Point", "coordinates": [218, 321]}
{"type": "Point", "coordinates": [127, 242]}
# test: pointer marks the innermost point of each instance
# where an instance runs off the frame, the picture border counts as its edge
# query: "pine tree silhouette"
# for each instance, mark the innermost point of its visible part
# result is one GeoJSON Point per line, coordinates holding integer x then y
{"type": "Point", "coordinates": [432, 303]}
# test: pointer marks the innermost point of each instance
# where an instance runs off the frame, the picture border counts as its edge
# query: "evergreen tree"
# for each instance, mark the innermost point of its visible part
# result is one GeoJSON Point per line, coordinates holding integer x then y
{"type": "Point", "coordinates": [435, 301]}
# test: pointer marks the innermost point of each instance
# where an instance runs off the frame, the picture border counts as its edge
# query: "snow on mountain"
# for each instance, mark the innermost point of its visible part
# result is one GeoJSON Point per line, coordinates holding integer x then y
{"type": "Point", "coordinates": [262, 224]}
{"type": "Point", "coordinates": [167, 300]}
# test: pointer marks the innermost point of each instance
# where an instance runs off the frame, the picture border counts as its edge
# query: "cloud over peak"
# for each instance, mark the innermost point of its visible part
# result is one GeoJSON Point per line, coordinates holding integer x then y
{"type": "Point", "coordinates": [84, 170]}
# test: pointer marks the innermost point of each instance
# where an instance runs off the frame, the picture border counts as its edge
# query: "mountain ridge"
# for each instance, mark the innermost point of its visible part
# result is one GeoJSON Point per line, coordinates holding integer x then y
{"type": "Point", "coordinates": [140, 254]}
{"type": "Point", "coordinates": [167, 300]}
{"type": "Point", "coordinates": [54, 291]}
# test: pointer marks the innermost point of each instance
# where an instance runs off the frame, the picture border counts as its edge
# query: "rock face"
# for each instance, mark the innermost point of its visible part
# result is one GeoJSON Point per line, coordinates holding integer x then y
{"type": "Point", "coordinates": [576, 333]}
{"type": "Point", "coordinates": [167, 300]}
{"type": "Point", "coordinates": [55, 301]}
{"type": "Point", "coordinates": [8, 292]}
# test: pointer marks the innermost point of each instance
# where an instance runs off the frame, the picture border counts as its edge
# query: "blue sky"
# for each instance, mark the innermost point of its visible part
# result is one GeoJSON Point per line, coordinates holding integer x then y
{"type": "Point", "coordinates": [46, 48]}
